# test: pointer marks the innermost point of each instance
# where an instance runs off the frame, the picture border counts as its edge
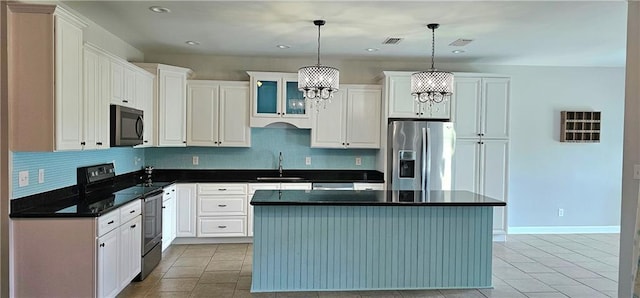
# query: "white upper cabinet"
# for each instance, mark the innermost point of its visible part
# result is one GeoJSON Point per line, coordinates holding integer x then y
{"type": "Point", "coordinates": [218, 114]}
{"type": "Point", "coordinates": [351, 120]}
{"type": "Point", "coordinates": [96, 98]}
{"type": "Point", "coordinates": [145, 102]}
{"type": "Point", "coordinates": [481, 107]}
{"type": "Point", "coordinates": [170, 94]}
{"type": "Point", "coordinates": [402, 104]}
{"type": "Point", "coordinates": [275, 98]}
{"type": "Point", "coordinates": [123, 83]}
{"type": "Point", "coordinates": [45, 78]}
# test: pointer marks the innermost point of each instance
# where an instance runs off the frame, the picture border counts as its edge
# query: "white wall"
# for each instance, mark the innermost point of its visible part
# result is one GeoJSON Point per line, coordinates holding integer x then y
{"type": "Point", "coordinates": [583, 179]}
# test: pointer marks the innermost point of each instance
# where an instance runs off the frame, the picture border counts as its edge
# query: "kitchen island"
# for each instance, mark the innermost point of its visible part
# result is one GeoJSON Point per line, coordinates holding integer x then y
{"type": "Point", "coordinates": [371, 240]}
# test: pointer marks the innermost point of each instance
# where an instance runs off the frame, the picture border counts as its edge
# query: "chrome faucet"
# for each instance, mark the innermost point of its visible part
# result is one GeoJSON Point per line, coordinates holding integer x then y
{"type": "Point", "coordinates": [280, 158]}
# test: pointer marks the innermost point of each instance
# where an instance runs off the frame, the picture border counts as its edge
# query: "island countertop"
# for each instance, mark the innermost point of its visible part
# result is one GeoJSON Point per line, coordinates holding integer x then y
{"type": "Point", "coordinates": [372, 198]}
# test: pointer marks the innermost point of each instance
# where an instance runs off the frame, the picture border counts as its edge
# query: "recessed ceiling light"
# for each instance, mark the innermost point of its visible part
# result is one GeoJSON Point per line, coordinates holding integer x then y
{"type": "Point", "coordinates": [159, 9]}
{"type": "Point", "coordinates": [372, 50]}
{"type": "Point", "coordinates": [283, 46]}
{"type": "Point", "coordinates": [457, 51]}
{"type": "Point", "coordinates": [192, 43]}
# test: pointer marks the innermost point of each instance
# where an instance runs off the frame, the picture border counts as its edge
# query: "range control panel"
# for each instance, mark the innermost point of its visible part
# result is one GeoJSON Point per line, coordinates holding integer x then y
{"type": "Point", "coordinates": [96, 173]}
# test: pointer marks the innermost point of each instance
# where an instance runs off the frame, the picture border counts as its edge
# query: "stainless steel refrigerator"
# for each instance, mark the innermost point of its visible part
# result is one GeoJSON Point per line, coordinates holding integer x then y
{"type": "Point", "coordinates": [420, 154]}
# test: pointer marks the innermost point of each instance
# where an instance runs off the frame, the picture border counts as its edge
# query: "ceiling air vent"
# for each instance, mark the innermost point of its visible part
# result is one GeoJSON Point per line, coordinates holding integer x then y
{"type": "Point", "coordinates": [461, 42]}
{"type": "Point", "coordinates": [392, 40]}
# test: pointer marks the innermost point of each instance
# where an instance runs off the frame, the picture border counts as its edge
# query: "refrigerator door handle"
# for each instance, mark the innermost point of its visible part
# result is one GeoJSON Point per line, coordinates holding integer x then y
{"type": "Point", "coordinates": [426, 159]}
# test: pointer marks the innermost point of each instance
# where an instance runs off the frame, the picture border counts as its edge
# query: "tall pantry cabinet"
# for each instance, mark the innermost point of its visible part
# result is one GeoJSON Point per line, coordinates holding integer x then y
{"type": "Point", "coordinates": [480, 112]}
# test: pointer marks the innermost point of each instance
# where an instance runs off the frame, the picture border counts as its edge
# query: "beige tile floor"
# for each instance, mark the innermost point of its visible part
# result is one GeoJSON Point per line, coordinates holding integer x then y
{"type": "Point", "coordinates": [536, 266]}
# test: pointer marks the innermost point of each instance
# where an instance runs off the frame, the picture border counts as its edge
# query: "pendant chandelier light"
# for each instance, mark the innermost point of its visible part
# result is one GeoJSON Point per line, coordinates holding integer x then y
{"type": "Point", "coordinates": [318, 83]}
{"type": "Point", "coordinates": [432, 86]}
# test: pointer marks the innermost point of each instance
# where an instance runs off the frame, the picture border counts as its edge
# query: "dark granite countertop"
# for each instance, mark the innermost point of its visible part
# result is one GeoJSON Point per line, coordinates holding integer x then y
{"type": "Point", "coordinates": [94, 205]}
{"type": "Point", "coordinates": [194, 176]}
{"type": "Point", "coordinates": [65, 202]}
{"type": "Point", "coordinates": [372, 198]}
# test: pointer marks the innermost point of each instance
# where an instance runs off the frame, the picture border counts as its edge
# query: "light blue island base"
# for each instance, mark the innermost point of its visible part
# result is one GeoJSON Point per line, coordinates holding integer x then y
{"type": "Point", "coordinates": [343, 248]}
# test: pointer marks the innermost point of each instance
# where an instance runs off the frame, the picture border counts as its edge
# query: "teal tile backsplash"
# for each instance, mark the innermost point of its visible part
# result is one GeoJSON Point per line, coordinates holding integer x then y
{"type": "Point", "coordinates": [60, 167]}
{"type": "Point", "coordinates": [266, 143]}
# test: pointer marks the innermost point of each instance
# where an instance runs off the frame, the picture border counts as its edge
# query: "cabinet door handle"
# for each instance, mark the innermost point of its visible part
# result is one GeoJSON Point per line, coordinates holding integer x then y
{"type": "Point", "coordinates": [347, 144]}
{"type": "Point", "coordinates": [342, 144]}
{"type": "Point", "coordinates": [284, 114]}
{"type": "Point", "coordinates": [222, 227]}
{"type": "Point", "coordinates": [83, 143]}
{"type": "Point", "coordinates": [184, 142]}
{"type": "Point", "coordinates": [164, 207]}
{"type": "Point", "coordinates": [168, 193]}
{"type": "Point", "coordinates": [133, 226]}
{"type": "Point", "coordinates": [132, 211]}
{"type": "Point", "coordinates": [101, 244]}
{"type": "Point", "coordinates": [99, 143]}
{"type": "Point", "coordinates": [222, 205]}
{"type": "Point", "coordinates": [222, 189]}
{"type": "Point", "coordinates": [110, 222]}
{"type": "Point", "coordinates": [421, 113]}
{"type": "Point", "coordinates": [125, 101]}
{"type": "Point", "coordinates": [146, 141]}
{"type": "Point", "coordinates": [173, 190]}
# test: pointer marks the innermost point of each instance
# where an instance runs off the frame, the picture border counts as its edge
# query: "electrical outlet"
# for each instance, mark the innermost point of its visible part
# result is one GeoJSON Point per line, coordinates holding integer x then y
{"type": "Point", "coordinates": [196, 160]}
{"type": "Point", "coordinates": [636, 172]}
{"type": "Point", "coordinates": [41, 176]}
{"type": "Point", "coordinates": [23, 178]}
{"type": "Point", "coordinates": [560, 212]}
{"type": "Point", "coordinates": [358, 161]}
{"type": "Point", "coordinates": [307, 160]}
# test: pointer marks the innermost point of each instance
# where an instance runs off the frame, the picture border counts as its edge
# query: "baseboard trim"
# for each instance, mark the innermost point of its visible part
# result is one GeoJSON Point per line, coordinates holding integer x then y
{"type": "Point", "coordinates": [207, 240]}
{"type": "Point", "coordinates": [565, 230]}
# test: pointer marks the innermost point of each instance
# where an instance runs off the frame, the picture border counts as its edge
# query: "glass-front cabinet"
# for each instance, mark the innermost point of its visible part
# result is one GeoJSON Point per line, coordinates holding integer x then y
{"type": "Point", "coordinates": [275, 98]}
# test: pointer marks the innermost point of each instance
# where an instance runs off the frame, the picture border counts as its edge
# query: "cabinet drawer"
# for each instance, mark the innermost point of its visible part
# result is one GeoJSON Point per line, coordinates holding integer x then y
{"type": "Point", "coordinates": [221, 227]}
{"type": "Point", "coordinates": [222, 189]}
{"type": "Point", "coordinates": [216, 205]}
{"type": "Point", "coordinates": [130, 210]}
{"type": "Point", "coordinates": [108, 222]}
{"type": "Point", "coordinates": [168, 192]}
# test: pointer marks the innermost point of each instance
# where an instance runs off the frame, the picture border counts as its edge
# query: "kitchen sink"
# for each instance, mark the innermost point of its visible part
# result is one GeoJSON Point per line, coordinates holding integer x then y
{"type": "Point", "coordinates": [280, 178]}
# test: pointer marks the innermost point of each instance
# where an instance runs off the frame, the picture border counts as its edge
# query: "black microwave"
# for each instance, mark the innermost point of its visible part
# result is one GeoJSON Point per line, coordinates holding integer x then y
{"type": "Point", "coordinates": [127, 126]}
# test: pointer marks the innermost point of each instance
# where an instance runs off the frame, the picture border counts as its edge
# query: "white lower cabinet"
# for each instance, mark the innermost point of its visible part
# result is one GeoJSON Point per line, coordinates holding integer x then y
{"type": "Point", "coordinates": [108, 250]}
{"type": "Point", "coordinates": [169, 215]}
{"type": "Point", "coordinates": [186, 210]}
{"type": "Point", "coordinates": [130, 250]}
{"type": "Point", "coordinates": [119, 248]}
{"type": "Point", "coordinates": [222, 210]}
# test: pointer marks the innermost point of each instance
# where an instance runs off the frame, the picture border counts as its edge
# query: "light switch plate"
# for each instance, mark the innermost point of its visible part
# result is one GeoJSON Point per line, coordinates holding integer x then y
{"type": "Point", "coordinates": [358, 161]}
{"type": "Point", "coordinates": [196, 160]}
{"type": "Point", "coordinates": [41, 176]}
{"type": "Point", "coordinates": [307, 160]}
{"type": "Point", "coordinates": [636, 172]}
{"type": "Point", "coordinates": [23, 178]}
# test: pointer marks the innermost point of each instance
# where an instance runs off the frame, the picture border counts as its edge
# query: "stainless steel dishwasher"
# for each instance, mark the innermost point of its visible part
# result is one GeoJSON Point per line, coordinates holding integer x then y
{"type": "Point", "coordinates": [333, 186]}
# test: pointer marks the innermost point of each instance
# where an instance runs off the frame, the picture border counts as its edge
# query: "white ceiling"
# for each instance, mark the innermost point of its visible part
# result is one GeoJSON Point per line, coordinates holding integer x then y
{"type": "Point", "coordinates": [562, 33]}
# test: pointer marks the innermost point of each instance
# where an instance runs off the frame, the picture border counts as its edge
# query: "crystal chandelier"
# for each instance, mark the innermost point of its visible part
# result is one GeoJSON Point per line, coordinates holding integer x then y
{"type": "Point", "coordinates": [432, 86]}
{"type": "Point", "coordinates": [318, 83]}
